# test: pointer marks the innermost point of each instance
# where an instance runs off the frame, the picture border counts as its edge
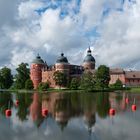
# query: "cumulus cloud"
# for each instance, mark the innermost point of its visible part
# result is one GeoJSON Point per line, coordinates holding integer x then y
{"type": "Point", "coordinates": [120, 36]}
{"type": "Point", "coordinates": [68, 27]}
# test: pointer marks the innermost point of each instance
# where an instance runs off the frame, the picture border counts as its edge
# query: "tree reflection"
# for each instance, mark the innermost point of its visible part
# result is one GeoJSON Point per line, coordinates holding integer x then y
{"type": "Point", "coordinates": [24, 103]}
{"type": "Point", "coordinates": [5, 101]}
{"type": "Point", "coordinates": [103, 104]}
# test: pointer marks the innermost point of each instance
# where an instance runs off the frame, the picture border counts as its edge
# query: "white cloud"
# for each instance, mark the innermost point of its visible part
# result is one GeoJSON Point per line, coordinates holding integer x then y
{"type": "Point", "coordinates": [27, 9]}
{"type": "Point", "coordinates": [120, 38]}
{"type": "Point", "coordinates": [117, 45]}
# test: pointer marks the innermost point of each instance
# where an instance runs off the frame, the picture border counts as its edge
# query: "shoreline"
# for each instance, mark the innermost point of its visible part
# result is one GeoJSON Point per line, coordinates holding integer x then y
{"type": "Point", "coordinates": [131, 90]}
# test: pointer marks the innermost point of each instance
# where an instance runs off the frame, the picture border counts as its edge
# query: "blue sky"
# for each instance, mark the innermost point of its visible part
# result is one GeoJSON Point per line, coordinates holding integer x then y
{"type": "Point", "coordinates": [48, 27]}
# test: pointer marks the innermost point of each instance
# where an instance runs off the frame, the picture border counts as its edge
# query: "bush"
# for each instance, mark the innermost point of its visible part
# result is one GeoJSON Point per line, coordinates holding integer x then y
{"type": "Point", "coordinates": [29, 84]}
{"type": "Point", "coordinates": [74, 83]}
{"type": "Point", "coordinates": [43, 86]}
{"type": "Point", "coordinates": [117, 85]}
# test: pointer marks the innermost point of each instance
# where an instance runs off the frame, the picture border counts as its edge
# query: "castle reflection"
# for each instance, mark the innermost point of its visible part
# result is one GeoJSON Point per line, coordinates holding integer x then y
{"type": "Point", "coordinates": [63, 107]}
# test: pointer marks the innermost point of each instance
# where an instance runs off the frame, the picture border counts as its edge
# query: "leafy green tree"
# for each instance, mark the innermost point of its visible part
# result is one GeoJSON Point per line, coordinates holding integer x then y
{"type": "Point", "coordinates": [102, 77]}
{"type": "Point", "coordinates": [118, 84]}
{"type": "Point", "coordinates": [21, 76]}
{"type": "Point", "coordinates": [1, 82]}
{"type": "Point", "coordinates": [75, 83]}
{"type": "Point", "coordinates": [29, 84]}
{"type": "Point", "coordinates": [87, 81]}
{"type": "Point", "coordinates": [43, 86]}
{"type": "Point", "coordinates": [6, 78]}
{"type": "Point", "coordinates": [60, 78]}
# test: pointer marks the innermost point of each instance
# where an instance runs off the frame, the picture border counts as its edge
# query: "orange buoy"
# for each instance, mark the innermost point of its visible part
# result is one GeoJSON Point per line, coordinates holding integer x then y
{"type": "Point", "coordinates": [112, 112]}
{"type": "Point", "coordinates": [8, 113]}
{"type": "Point", "coordinates": [134, 107]}
{"type": "Point", "coordinates": [44, 112]}
{"type": "Point", "coordinates": [126, 100]}
{"type": "Point", "coordinates": [17, 102]}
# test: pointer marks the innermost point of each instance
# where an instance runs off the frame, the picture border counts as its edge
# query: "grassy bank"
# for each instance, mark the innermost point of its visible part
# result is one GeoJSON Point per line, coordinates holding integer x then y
{"type": "Point", "coordinates": [135, 89]}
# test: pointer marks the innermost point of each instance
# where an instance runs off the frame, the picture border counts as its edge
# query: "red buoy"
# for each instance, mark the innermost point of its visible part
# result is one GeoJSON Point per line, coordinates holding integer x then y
{"type": "Point", "coordinates": [17, 102]}
{"type": "Point", "coordinates": [8, 113]}
{"type": "Point", "coordinates": [112, 112]}
{"type": "Point", "coordinates": [44, 112]}
{"type": "Point", "coordinates": [134, 107]}
{"type": "Point", "coordinates": [126, 100]}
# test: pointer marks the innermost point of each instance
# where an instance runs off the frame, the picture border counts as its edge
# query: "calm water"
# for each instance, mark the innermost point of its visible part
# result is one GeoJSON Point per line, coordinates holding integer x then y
{"type": "Point", "coordinates": [72, 116]}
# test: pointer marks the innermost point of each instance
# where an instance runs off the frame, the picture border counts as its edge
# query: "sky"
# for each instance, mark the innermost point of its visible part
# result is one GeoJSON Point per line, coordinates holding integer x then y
{"type": "Point", "coordinates": [48, 27]}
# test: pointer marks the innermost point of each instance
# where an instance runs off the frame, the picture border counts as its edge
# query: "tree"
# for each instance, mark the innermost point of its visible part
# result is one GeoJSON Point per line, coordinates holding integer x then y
{"type": "Point", "coordinates": [118, 84]}
{"type": "Point", "coordinates": [43, 86]}
{"type": "Point", "coordinates": [6, 78]}
{"type": "Point", "coordinates": [87, 81]}
{"type": "Point", "coordinates": [102, 77]}
{"type": "Point", "coordinates": [75, 83]}
{"type": "Point", "coordinates": [29, 84]}
{"type": "Point", "coordinates": [21, 76]}
{"type": "Point", "coordinates": [60, 78]}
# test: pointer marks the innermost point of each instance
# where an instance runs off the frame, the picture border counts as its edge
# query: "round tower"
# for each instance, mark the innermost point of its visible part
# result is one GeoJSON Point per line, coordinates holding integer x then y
{"type": "Point", "coordinates": [62, 64]}
{"type": "Point", "coordinates": [36, 71]}
{"type": "Point", "coordinates": [89, 61]}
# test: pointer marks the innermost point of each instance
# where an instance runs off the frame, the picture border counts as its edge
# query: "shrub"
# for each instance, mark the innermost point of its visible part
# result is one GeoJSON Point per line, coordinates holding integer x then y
{"type": "Point", "coordinates": [43, 86]}
{"type": "Point", "coordinates": [74, 83]}
{"type": "Point", "coordinates": [29, 84]}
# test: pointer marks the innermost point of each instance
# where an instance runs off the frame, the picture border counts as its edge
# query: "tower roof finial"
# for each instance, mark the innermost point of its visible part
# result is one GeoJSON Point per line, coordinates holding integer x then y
{"type": "Point", "coordinates": [38, 56]}
{"type": "Point", "coordinates": [89, 50]}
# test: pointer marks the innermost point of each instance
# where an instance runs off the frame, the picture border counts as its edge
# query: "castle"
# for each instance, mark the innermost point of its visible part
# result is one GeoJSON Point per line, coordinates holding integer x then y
{"type": "Point", "coordinates": [41, 72]}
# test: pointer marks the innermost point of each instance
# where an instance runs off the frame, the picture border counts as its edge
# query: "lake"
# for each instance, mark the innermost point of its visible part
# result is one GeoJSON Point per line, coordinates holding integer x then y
{"type": "Point", "coordinates": [71, 116]}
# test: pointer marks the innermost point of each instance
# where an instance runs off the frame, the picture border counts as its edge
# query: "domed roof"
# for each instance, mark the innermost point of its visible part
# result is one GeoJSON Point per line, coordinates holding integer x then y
{"type": "Point", "coordinates": [38, 60]}
{"type": "Point", "coordinates": [89, 57]}
{"type": "Point", "coordinates": [62, 59]}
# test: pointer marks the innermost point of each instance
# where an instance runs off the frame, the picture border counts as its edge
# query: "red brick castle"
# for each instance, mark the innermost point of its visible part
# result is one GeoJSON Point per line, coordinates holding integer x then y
{"type": "Point", "coordinates": [41, 72]}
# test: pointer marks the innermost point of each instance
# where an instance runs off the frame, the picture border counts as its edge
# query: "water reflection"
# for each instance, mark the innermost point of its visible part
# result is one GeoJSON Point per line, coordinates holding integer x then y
{"type": "Point", "coordinates": [5, 102]}
{"type": "Point", "coordinates": [24, 103]}
{"type": "Point", "coordinates": [65, 108]}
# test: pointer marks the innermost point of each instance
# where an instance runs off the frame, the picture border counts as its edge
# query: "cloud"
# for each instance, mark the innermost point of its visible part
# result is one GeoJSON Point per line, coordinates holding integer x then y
{"type": "Point", "coordinates": [120, 36]}
{"type": "Point", "coordinates": [112, 28]}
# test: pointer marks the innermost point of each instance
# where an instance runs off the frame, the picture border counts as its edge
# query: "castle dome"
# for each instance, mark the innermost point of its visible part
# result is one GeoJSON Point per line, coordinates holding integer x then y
{"type": "Point", "coordinates": [38, 60]}
{"type": "Point", "coordinates": [62, 59]}
{"type": "Point", "coordinates": [89, 57]}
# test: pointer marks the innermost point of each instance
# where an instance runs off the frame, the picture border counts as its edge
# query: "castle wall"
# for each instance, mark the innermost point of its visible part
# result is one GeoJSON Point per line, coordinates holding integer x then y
{"type": "Point", "coordinates": [132, 82]}
{"type": "Point", "coordinates": [47, 76]}
{"type": "Point", "coordinates": [114, 77]}
{"type": "Point", "coordinates": [89, 65]}
{"type": "Point", "coordinates": [62, 66]}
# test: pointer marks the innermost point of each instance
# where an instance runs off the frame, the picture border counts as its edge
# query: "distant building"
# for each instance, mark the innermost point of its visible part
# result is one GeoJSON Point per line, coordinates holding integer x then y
{"type": "Point", "coordinates": [128, 78]}
{"type": "Point", "coordinates": [41, 72]}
